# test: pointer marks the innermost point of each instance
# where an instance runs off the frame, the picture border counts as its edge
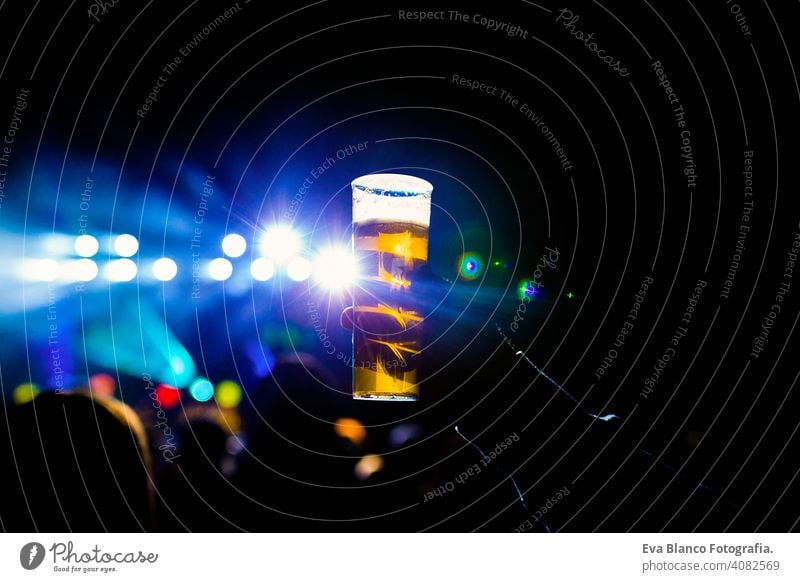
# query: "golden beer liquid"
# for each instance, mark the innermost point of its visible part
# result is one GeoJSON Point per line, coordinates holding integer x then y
{"type": "Point", "coordinates": [387, 331]}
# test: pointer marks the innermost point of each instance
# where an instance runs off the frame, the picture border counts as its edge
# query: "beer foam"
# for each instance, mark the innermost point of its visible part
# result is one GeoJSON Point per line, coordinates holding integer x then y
{"type": "Point", "coordinates": [392, 198]}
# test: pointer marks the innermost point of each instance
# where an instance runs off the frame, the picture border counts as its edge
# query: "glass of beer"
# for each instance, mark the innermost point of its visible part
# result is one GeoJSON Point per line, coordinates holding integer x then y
{"type": "Point", "coordinates": [391, 216]}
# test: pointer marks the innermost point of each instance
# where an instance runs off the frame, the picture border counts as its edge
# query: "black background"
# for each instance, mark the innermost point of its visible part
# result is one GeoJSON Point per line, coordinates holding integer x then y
{"type": "Point", "coordinates": [278, 87]}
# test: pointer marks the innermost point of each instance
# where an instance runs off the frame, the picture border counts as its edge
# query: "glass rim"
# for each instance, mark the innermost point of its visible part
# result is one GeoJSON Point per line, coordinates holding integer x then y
{"type": "Point", "coordinates": [398, 185]}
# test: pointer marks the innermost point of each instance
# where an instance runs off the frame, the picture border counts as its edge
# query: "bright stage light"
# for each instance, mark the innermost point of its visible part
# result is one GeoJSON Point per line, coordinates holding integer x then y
{"type": "Point", "coordinates": [299, 269]}
{"type": "Point", "coordinates": [165, 269]}
{"type": "Point", "coordinates": [280, 243]}
{"type": "Point", "coordinates": [57, 245]}
{"type": "Point", "coordinates": [86, 245]}
{"type": "Point", "coordinates": [234, 245]}
{"type": "Point", "coordinates": [126, 245]}
{"type": "Point", "coordinates": [120, 270]}
{"type": "Point", "coordinates": [335, 268]}
{"type": "Point", "coordinates": [42, 269]}
{"type": "Point", "coordinates": [220, 269]}
{"type": "Point", "coordinates": [83, 270]}
{"type": "Point", "coordinates": [201, 390]}
{"type": "Point", "coordinates": [262, 269]}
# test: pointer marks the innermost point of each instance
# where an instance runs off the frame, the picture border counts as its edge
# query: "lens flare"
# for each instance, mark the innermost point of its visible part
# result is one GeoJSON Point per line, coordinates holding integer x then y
{"type": "Point", "coordinates": [335, 268]}
{"type": "Point", "coordinates": [280, 243]}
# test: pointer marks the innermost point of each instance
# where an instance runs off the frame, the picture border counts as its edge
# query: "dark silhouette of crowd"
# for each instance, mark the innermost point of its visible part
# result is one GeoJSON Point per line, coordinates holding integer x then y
{"type": "Point", "coordinates": [83, 461]}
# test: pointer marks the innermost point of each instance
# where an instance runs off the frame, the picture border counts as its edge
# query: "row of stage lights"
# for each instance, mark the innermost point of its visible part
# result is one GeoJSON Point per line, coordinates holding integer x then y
{"type": "Point", "coordinates": [280, 249]}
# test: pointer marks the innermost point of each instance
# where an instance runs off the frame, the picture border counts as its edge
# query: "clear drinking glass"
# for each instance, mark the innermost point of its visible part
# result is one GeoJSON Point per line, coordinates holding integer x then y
{"type": "Point", "coordinates": [391, 216]}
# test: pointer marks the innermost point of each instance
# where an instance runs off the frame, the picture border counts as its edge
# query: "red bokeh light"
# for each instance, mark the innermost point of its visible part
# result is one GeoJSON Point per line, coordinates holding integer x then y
{"type": "Point", "coordinates": [103, 384]}
{"type": "Point", "coordinates": [168, 396]}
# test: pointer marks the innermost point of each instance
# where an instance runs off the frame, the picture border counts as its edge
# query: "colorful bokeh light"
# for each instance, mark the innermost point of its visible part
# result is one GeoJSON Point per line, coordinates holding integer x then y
{"type": "Point", "coordinates": [201, 389]}
{"type": "Point", "coordinates": [103, 384]}
{"type": "Point", "coordinates": [25, 393]}
{"type": "Point", "coordinates": [351, 429]}
{"type": "Point", "coordinates": [368, 466]}
{"type": "Point", "coordinates": [527, 290]}
{"type": "Point", "coordinates": [168, 396]}
{"type": "Point", "coordinates": [228, 394]}
{"type": "Point", "coordinates": [404, 433]}
{"type": "Point", "coordinates": [470, 266]}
